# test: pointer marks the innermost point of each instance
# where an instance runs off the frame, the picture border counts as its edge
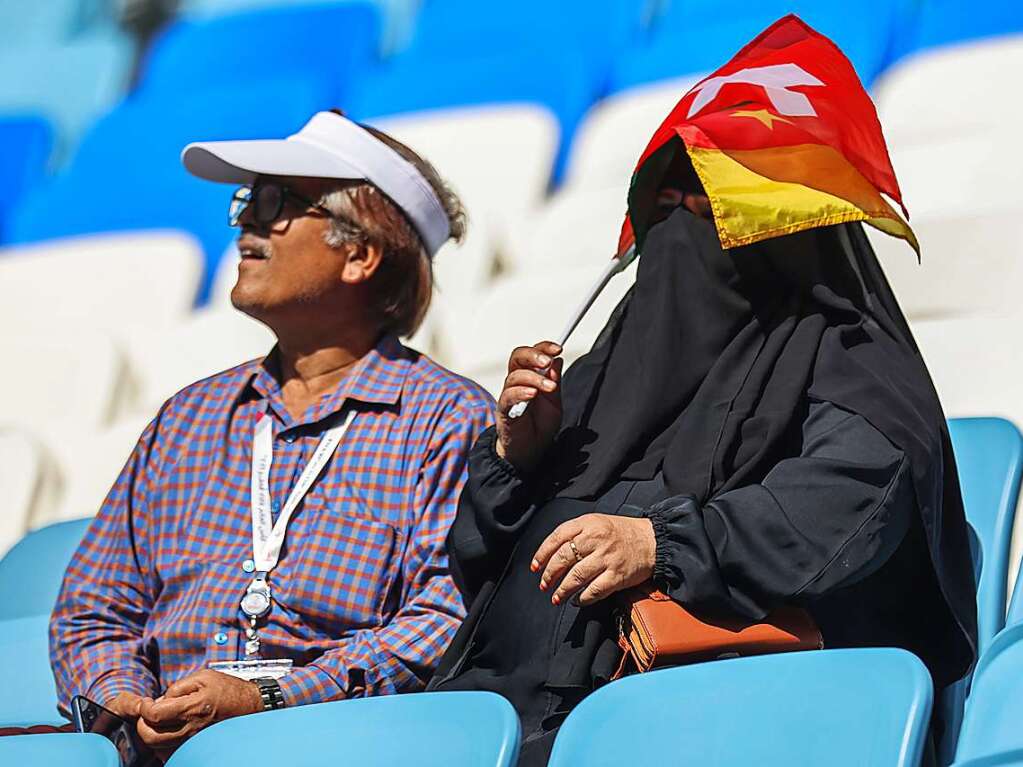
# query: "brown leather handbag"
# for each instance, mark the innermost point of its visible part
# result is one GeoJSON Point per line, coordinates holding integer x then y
{"type": "Point", "coordinates": [655, 631]}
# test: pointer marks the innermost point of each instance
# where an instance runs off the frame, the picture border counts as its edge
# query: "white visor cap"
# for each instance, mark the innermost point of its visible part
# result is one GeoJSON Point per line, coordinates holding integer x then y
{"type": "Point", "coordinates": [328, 146]}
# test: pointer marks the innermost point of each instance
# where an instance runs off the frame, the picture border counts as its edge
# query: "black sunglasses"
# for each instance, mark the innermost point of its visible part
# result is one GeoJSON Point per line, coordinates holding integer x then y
{"type": "Point", "coordinates": [267, 200]}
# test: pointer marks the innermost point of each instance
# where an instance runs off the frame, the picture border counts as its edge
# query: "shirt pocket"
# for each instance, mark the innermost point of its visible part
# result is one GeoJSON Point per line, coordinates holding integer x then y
{"type": "Point", "coordinates": [339, 572]}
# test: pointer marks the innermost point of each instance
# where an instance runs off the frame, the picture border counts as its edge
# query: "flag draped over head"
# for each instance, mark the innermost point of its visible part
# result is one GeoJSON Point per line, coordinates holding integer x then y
{"type": "Point", "coordinates": [783, 138]}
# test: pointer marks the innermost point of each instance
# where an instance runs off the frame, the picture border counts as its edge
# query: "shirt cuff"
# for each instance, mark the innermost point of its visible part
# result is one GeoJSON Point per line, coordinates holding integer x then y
{"type": "Point", "coordinates": [111, 684]}
{"type": "Point", "coordinates": [310, 684]}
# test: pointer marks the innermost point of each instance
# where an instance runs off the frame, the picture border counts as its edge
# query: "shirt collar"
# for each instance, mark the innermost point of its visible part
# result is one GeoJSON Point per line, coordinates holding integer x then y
{"type": "Point", "coordinates": [377, 379]}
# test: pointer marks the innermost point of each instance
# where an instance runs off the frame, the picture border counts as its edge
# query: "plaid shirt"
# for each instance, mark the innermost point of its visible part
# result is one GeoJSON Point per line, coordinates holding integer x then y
{"type": "Point", "coordinates": [363, 600]}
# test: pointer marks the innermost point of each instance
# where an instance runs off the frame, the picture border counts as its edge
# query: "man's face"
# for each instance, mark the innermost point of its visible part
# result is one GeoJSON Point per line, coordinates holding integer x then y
{"type": "Point", "coordinates": [286, 266]}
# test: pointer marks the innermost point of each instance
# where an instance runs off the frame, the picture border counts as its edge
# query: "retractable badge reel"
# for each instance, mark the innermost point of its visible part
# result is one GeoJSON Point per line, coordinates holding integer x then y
{"type": "Point", "coordinates": [255, 604]}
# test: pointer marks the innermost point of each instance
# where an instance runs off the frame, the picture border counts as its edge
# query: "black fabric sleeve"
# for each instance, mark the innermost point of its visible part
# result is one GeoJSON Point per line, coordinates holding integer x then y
{"type": "Point", "coordinates": [494, 506]}
{"type": "Point", "coordinates": [819, 521]}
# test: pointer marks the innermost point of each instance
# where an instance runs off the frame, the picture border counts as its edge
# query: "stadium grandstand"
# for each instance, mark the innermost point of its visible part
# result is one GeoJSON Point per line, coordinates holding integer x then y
{"type": "Point", "coordinates": [116, 268]}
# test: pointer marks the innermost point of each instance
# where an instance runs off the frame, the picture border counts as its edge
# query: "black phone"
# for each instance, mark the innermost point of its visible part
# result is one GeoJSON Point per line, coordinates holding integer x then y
{"type": "Point", "coordinates": [90, 716]}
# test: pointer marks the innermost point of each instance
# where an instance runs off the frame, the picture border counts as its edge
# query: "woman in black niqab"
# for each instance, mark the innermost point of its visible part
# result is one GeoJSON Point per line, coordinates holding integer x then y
{"type": "Point", "coordinates": [766, 408]}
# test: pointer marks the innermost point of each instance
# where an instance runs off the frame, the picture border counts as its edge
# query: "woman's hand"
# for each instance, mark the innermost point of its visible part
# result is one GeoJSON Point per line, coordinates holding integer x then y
{"type": "Point", "coordinates": [534, 375]}
{"type": "Point", "coordinates": [610, 554]}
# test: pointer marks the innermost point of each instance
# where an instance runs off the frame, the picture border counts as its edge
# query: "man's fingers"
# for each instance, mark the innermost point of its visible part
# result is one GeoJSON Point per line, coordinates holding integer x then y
{"type": "Point", "coordinates": [599, 588]}
{"type": "Point", "coordinates": [563, 533]}
{"type": "Point", "coordinates": [185, 686]}
{"type": "Point", "coordinates": [162, 739]}
{"type": "Point", "coordinates": [166, 711]}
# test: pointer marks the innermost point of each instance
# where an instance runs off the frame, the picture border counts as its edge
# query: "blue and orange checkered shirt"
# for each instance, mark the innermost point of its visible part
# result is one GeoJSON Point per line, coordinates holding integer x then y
{"type": "Point", "coordinates": [363, 601]}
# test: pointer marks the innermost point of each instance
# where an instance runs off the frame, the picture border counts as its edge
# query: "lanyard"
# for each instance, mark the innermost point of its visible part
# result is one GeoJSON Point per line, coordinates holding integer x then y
{"type": "Point", "coordinates": [267, 537]}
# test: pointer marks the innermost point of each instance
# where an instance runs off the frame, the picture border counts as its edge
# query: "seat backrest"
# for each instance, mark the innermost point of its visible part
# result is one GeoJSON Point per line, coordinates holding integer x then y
{"type": "Point", "coordinates": [616, 130]}
{"type": "Point", "coordinates": [449, 729]}
{"type": "Point", "coordinates": [79, 749]}
{"type": "Point", "coordinates": [960, 252]}
{"type": "Point", "coordinates": [330, 41]}
{"type": "Point", "coordinates": [78, 380]}
{"type": "Point", "coordinates": [25, 666]}
{"type": "Point", "coordinates": [995, 708]}
{"type": "Point", "coordinates": [912, 97]}
{"type": "Point", "coordinates": [162, 193]}
{"type": "Point", "coordinates": [27, 142]}
{"type": "Point", "coordinates": [20, 470]}
{"type": "Point", "coordinates": [834, 707]}
{"type": "Point", "coordinates": [70, 82]}
{"type": "Point", "coordinates": [498, 158]}
{"type": "Point", "coordinates": [32, 571]}
{"type": "Point", "coordinates": [209, 341]}
{"type": "Point", "coordinates": [101, 282]}
{"type": "Point", "coordinates": [989, 457]}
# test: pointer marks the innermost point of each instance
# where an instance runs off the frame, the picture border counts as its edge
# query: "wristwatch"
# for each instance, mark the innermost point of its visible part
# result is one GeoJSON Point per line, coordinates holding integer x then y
{"type": "Point", "coordinates": [270, 692]}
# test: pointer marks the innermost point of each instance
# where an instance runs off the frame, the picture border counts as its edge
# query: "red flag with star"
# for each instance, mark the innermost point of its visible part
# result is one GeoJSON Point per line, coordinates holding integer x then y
{"type": "Point", "coordinates": [783, 138]}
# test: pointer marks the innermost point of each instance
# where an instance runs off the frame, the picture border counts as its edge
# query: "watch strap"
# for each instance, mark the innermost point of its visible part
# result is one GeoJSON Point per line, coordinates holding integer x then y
{"type": "Point", "coordinates": [270, 692]}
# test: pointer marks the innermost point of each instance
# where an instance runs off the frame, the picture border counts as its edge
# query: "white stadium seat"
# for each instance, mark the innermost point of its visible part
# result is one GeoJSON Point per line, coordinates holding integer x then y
{"type": "Point", "coordinates": [20, 474]}
{"type": "Point", "coordinates": [526, 309]}
{"type": "Point", "coordinates": [497, 158]}
{"type": "Point", "coordinates": [103, 282]}
{"type": "Point", "coordinates": [84, 465]}
{"type": "Point", "coordinates": [164, 361]}
{"type": "Point", "coordinates": [67, 378]}
{"type": "Point", "coordinates": [578, 227]}
{"type": "Point", "coordinates": [952, 91]}
{"type": "Point", "coordinates": [614, 133]}
{"type": "Point", "coordinates": [971, 264]}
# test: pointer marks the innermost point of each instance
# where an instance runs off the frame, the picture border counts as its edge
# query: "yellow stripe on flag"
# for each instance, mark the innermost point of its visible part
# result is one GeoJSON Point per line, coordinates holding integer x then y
{"type": "Point", "coordinates": [757, 194]}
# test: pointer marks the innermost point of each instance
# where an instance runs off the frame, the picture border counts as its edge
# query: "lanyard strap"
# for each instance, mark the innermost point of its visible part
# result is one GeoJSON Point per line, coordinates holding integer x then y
{"type": "Point", "coordinates": [267, 537]}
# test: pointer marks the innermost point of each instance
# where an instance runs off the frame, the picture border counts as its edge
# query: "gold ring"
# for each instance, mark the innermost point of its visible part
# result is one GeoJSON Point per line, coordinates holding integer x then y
{"type": "Point", "coordinates": [578, 556]}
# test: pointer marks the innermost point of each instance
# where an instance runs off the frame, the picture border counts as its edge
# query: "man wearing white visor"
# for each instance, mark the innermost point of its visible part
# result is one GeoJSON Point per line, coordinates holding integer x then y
{"type": "Point", "coordinates": [277, 536]}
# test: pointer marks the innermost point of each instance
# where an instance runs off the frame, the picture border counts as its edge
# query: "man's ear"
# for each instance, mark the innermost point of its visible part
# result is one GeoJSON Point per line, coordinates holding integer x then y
{"type": "Point", "coordinates": [362, 263]}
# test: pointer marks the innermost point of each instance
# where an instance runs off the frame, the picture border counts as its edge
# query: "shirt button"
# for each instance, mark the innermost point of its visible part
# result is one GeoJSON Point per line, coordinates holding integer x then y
{"type": "Point", "coordinates": [289, 437]}
{"type": "Point", "coordinates": [220, 637]}
{"type": "Point", "coordinates": [248, 566]}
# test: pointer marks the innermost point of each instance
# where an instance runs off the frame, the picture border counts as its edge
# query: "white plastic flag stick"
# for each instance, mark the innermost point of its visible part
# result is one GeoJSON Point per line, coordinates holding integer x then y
{"type": "Point", "coordinates": [614, 266]}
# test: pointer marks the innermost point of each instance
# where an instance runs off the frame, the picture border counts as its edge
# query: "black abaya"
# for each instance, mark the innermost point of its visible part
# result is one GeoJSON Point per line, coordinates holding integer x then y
{"type": "Point", "coordinates": [767, 409]}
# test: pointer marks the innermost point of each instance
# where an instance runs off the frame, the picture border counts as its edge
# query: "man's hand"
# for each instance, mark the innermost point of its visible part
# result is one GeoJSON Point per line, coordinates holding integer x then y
{"type": "Point", "coordinates": [534, 376]}
{"type": "Point", "coordinates": [191, 704]}
{"type": "Point", "coordinates": [126, 705]}
{"type": "Point", "coordinates": [595, 556]}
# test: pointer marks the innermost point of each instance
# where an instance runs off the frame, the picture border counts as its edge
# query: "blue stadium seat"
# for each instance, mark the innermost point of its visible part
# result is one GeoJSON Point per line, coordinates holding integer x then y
{"type": "Point", "coordinates": [28, 680]}
{"type": "Point", "coordinates": [127, 173]}
{"type": "Point", "coordinates": [556, 78]}
{"type": "Point", "coordinates": [989, 457]}
{"type": "Point", "coordinates": [56, 749]}
{"type": "Point", "coordinates": [1015, 614]}
{"type": "Point", "coordinates": [449, 729]}
{"type": "Point", "coordinates": [329, 43]}
{"type": "Point", "coordinates": [835, 707]}
{"type": "Point", "coordinates": [994, 714]}
{"type": "Point", "coordinates": [31, 572]}
{"type": "Point", "coordinates": [399, 16]}
{"type": "Point", "coordinates": [599, 29]}
{"type": "Point", "coordinates": [944, 22]}
{"type": "Point", "coordinates": [53, 21]}
{"type": "Point", "coordinates": [698, 38]}
{"type": "Point", "coordinates": [27, 141]}
{"type": "Point", "coordinates": [68, 83]}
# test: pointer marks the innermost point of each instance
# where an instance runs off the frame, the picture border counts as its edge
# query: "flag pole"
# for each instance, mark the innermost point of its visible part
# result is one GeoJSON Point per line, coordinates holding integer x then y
{"type": "Point", "coordinates": [615, 266]}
